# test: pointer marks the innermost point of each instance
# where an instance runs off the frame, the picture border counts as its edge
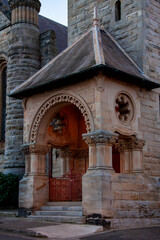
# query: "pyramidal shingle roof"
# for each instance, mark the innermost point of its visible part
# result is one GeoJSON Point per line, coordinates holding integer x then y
{"type": "Point", "coordinates": [94, 51]}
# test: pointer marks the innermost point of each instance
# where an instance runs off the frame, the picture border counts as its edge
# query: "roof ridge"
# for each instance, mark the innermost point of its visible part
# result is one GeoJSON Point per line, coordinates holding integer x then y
{"type": "Point", "coordinates": [98, 48]}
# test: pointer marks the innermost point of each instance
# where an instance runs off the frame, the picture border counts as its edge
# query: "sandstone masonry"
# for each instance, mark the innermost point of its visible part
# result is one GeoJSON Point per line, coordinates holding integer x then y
{"type": "Point", "coordinates": [137, 31]}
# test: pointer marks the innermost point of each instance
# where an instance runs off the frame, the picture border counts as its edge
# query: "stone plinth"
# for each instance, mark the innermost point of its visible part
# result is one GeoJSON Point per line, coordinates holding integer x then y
{"type": "Point", "coordinates": [96, 183]}
{"type": "Point", "coordinates": [97, 193]}
{"type": "Point", "coordinates": [33, 192]}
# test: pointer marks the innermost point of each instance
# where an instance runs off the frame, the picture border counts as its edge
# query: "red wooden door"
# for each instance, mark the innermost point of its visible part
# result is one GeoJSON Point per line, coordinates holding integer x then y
{"type": "Point", "coordinates": [66, 188]}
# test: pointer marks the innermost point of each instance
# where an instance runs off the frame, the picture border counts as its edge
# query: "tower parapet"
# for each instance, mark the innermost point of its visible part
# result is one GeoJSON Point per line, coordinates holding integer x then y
{"type": "Point", "coordinates": [24, 11]}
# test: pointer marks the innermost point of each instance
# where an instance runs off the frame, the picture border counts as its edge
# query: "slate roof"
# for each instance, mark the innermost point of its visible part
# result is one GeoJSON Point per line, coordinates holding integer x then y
{"type": "Point", "coordinates": [46, 24]}
{"type": "Point", "coordinates": [95, 51]}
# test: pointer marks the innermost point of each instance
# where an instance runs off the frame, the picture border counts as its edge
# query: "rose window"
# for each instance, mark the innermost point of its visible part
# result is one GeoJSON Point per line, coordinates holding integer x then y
{"type": "Point", "coordinates": [124, 108]}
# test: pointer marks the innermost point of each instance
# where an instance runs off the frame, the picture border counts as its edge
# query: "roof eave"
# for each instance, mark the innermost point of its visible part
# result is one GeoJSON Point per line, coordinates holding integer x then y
{"type": "Point", "coordinates": [84, 74]}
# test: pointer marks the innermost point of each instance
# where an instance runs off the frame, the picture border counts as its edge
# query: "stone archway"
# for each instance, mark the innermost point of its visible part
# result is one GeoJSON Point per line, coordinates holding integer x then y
{"type": "Point", "coordinates": [61, 98]}
{"type": "Point", "coordinates": [38, 146]}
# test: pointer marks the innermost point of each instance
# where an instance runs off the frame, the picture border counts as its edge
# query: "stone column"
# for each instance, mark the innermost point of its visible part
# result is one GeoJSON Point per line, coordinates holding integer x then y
{"type": "Point", "coordinates": [33, 188]}
{"type": "Point", "coordinates": [100, 149]}
{"type": "Point", "coordinates": [23, 62]}
{"type": "Point", "coordinates": [97, 196]}
{"type": "Point", "coordinates": [125, 155]}
{"type": "Point", "coordinates": [137, 156]}
{"type": "Point", "coordinates": [131, 150]}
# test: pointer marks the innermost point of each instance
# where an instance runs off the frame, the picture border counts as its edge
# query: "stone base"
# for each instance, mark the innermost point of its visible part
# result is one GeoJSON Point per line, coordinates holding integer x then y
{"type": "Point", "coordinates": [123, 223]}
{"type": "Point", "coordinates": [33, 192]}
{"type": "Point", "coordinates": [97, 193]}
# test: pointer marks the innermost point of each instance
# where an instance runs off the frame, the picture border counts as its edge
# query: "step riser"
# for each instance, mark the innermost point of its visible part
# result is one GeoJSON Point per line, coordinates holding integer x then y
{"type": "Point", "coordinates": [59, 213]}
{"type": "Point", "coordinates": [64, 204]}
{"type": "Point", "coordinates": [61, 208]}
{"type": "Point", "coordinates": [64, 212]}
{"type": "Point", "coordinates": [60, 219]}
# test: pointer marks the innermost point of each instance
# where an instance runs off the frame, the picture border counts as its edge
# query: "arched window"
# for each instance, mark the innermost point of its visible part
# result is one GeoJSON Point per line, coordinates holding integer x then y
{"type": "Point", "coordinates": [118, 10]}
{"type": "Point", "coordinates": [3, 76]}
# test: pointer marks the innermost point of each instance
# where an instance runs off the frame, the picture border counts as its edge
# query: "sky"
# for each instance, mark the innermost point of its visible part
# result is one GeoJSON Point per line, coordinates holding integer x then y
{"type": "Point", "coordinates": [55, 10]}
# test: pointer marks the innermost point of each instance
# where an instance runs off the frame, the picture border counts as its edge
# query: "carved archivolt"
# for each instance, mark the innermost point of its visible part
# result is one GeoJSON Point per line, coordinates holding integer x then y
{"type": "Point", "coordinates": [62, 98]}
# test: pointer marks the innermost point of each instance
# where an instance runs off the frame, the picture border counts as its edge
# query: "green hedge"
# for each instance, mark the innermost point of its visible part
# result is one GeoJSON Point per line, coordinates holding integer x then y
{"type": "Point", "coordinates": [8, 191]}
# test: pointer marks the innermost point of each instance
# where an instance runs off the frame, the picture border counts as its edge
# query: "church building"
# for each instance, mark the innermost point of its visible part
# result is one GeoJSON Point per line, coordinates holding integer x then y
{"type": "Point", "coordinates": [89, 115]}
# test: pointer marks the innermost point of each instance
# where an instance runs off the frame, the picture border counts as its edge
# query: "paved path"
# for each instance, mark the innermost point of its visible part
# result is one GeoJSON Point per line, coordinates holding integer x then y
{"type": "Point", "coordinates": [152, 233]}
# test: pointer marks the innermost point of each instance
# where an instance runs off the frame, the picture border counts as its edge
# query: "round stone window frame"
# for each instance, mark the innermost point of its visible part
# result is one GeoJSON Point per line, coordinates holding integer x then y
{"type": "Point", "coordinates": [132, 104]}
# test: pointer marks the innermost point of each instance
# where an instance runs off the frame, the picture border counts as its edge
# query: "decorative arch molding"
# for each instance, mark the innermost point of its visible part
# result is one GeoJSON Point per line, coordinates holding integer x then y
{"type": "Point", "coordinates": [60, 98]}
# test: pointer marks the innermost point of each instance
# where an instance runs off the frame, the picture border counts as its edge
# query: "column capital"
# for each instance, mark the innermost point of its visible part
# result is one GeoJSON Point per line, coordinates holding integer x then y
{"type": "Point", "coordinates": [100, 137]}
{"type": "Point", "coordinates": [35, 148]}
{"type": "Point", "coordinates": [130, 144]}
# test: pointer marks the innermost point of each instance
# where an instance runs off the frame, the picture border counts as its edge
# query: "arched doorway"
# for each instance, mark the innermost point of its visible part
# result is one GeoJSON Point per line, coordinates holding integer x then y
{"type": "Point", "coordinates": [68, 158]}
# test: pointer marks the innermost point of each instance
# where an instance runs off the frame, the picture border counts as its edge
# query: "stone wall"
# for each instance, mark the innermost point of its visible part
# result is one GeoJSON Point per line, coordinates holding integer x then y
{"type": "Point", "coordinates": [4, 34]}
{"type": "Point", "coordinates": [136, 198]}
{"type": "Point", "coordinates": [127, 31]}
{"type": "Point", "coordinates": [149, 125]}
{"type": "Point", "coordinates": [137, 31]}
{"type": "Point", "coordinates": [48, 47]}
{"type": "Point", "coordinates": [4, 45]}
{"type": "Point", "coordinates": [5, 15]}
{"type": "Point", "coordinates": [152, 39]}
{"type": "Point", "coordinates": [23, 62]}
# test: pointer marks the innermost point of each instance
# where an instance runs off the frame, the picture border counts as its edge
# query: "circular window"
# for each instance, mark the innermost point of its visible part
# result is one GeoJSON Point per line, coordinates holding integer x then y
{"type": "Point", "coordinates": [124, 108]}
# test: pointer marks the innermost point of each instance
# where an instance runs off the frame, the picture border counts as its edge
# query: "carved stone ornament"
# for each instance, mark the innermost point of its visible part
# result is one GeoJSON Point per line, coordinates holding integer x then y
{"type": "Point", "coordinates": [35, 148]}
{"type": "Point", "coordinates": [124, 108]}
{"type": "Point", "coordinates": [50, 103]}
{"type": "Point", "coordinates": [35, 4]}
{"type": "Point", "coordinates": [129, 144]}
{"type": "Point", "coordinates": [100, 137]}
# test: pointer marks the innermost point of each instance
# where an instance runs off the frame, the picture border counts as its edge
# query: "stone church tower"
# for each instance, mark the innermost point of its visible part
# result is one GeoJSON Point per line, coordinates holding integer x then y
{"type": "Point", "coordinates": [23, 62]}
{"type": "Point", "coordinates": [133, 23]}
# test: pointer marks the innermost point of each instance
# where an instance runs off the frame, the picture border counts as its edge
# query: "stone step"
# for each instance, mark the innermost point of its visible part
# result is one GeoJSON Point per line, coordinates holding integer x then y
{"type": "Point", "coordinates": [60, 219]}
{"type": "Point", "coordinates": [61, 208]}
{"type": "Point", "coordinates": [58, 213]}
{"type": "Point", "coordinates": [9, 213]}
{"type": "Point", "coordinates": [64, 203]}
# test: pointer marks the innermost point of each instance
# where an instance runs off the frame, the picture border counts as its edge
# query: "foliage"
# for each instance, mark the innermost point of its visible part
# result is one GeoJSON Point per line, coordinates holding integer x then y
{"type": "Point", "coordinates": [8, 190]}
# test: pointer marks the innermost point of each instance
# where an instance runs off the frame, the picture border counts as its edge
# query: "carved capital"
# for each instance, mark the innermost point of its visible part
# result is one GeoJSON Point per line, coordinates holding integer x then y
{"type": "Point", "coordinates": [137, 145]}
{"type": "Point", "coordinates": [35, 148]}
{"type": "Point", "coordinates": [100, 137]}
{"type": "Point", "coordinates": [129, 144]}
{"type": "Point", "coordinates": [35, 4]}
